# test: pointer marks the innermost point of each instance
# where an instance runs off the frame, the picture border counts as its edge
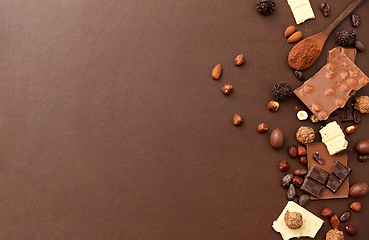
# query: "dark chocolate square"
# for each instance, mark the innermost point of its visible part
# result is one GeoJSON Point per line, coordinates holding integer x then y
{"type": "Point", "coordinates": [312, 187]}
{"type": "Point", "coordinates": [318, 175]}
{"type": "Point", "coordinates": [345, 114]}
{"type": "Point", "coordinates": [333, 183]}
{"type": "Point", "coordinates": [341, 171]}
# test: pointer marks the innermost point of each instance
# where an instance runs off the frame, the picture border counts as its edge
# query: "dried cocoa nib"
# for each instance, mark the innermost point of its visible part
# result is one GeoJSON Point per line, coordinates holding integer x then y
{"type": "Point", "coordinates": [346, 37]}
{"type": "Point", "coordinates": [282, 91]}
{"type": "Point", "coordinates": [299, 75]}
{"type": "Point", "coordinates": [318, 158]}
{"type": "Point", "coordinates": [265, 6]}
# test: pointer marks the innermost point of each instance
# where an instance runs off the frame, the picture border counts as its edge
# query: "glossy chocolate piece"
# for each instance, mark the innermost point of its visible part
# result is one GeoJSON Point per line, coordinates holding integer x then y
{"type": "Point", "coordinates": [343, 191]}
{"type": "Point", "coordinates": [318, 175]}
{"type": "Point", "coordinates": [311, 187]}
{"type": "Point", "coordinates": [333, 183]}
{"type": "Point", "coordinates": [341, 171]}
{"type": "Point", "coordinates": [332, 86]}
{"type": "Point", "coordinates": [345, 114]}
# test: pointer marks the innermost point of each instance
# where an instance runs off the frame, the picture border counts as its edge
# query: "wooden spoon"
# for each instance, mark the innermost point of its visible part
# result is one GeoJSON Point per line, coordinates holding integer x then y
{"type": "Point", "coordinates": [307, 51]}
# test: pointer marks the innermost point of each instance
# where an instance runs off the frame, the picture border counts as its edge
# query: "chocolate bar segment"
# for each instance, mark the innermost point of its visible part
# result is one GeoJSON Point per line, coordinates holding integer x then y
{"type": "Point", "coordinates": [332, 86]}
{"type": "Point", "coordinates": [343, 191]}
{"type": "Point", "coordinates": [350, 53]}
{"type": "Point", "coordinates": [341, 171]}
{"type": "Point", "coordinates": [333, 183]}
{"type": "Point", "coordinates": [312, 187]}
{"type": "Point", "coordinates": [318, 175]}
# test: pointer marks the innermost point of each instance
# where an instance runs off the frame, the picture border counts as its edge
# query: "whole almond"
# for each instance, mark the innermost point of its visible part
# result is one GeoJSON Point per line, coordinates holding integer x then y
{"type": "Point", "coordinates": [350, 129]}
{"type": "Point", "coordinates": [295, 37]}
{"type": "Point", "coordinates": [289, 31]}
{"type": "Point", "coordinates": [217, 71]}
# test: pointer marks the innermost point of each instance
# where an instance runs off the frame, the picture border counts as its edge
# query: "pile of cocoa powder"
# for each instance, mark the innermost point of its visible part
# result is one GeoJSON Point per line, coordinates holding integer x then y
{"type": "Point", "coordinates": [302, 55]}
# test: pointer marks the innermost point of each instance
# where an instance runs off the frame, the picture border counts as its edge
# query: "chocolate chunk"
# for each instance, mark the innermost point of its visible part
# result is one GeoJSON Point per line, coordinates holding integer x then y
{"type": "Point", "coordinates": [341, 171]}
{"type": "Point", "coordinates": [318, 175]}
{"type": "Point", "coordinates": [333, 183]}
{"type": "Point", "coordinates": [332, 118]}
{"type": "Point", "coordinates": [346, 113]}
{"type": "Point", "coordinates": [357, 116]}
{"type": "Point", "coordinates": [312, 187]}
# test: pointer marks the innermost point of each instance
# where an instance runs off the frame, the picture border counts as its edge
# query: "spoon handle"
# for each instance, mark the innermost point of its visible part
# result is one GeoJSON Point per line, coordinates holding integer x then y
{"type": "Point", "coordinates": [342, 16]}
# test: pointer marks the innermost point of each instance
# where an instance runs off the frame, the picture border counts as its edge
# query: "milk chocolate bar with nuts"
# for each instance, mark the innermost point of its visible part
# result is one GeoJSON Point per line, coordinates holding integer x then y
{"type": "Point", "coordinates": [332, 86]}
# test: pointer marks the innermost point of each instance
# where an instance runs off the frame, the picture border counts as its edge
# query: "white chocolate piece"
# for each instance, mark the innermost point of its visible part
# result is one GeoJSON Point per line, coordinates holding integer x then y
{"type": "Point", "coordinates": [333, 137]}
{"type": "Point", "coordinates": [310, 226]}
{"type": "Point", "coordinates": [301, 10]}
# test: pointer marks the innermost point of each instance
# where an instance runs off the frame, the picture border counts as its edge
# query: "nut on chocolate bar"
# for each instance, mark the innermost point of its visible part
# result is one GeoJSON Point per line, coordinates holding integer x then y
{"type": "Point", "coordinates": [332, 86]}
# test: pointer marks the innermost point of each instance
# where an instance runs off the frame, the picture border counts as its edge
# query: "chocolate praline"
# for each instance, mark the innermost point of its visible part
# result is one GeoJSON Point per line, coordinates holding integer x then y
{"type": "Point", "coordinates": [282, 91]}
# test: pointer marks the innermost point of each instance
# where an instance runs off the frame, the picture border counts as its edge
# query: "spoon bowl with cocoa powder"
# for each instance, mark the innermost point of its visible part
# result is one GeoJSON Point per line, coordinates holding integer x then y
{"type": "Point", "coordinates": [307, 51]}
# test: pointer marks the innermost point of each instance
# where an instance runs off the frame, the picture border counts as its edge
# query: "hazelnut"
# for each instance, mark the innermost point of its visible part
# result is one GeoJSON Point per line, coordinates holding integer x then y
{"type": "Point", "coordinates": [262, 128]}
{"type": "Point", "coordinates": [314, 119]}
{"type": "Point", "coordinates": [327, 212]}
{"type": "Point", "coordinates": [239, 60]}
{"type": "Point", "coordinates": [362, 104]}
{"type": "Point", "coordinates": [303, 161]}
{"type": "Point", "coordinates": [273, 106]}
{"type": "Point", "coordinates": [334, 234]}
{"type": "Point", "coordinates": [283, 166]}
{"type": "Point", "coordinates": [355, 206]}
{"type": "Point", "coordinates": [305, 135]}
{"type": "Point", "coordinates": [293, 220]}
{"type": "Point", "coordinates": [301, 151]}
{"type": "Point", "coordinates": [297, 181]}
{"type": "Point", "coordinates": [317, 108]}
{"type": "Point", "coordinates": [292, 151]}
{"type": "Point", "coordinates": [237, 120]}
{"type": "Point", "coordinates": [227, 89]}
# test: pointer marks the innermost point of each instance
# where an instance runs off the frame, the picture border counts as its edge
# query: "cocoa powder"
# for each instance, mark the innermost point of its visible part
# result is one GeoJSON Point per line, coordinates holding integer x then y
{"type": "Point", "coordinates": [303, 55]}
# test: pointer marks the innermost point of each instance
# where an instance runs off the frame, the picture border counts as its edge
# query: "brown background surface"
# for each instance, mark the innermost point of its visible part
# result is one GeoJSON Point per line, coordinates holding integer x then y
{"type": "Point", "coordinates": [112, 128]}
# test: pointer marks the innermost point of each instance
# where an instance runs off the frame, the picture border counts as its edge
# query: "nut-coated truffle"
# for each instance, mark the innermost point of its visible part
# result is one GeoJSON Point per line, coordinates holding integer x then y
{"type": "Point", "coordinates": [293, 220]}
{"type": "Point", "coordinates": [346, 37]}
{"type": "Point", "coordinates": [362, 104]}
{"type": "Point", "coordinates": [334, 234]}
{"type": "Point", "coordinates": [305, 135]}
{"type": "Point", "coordinates": [282, 91]}
{"type": "Point", "coordinates": [265, 6]}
